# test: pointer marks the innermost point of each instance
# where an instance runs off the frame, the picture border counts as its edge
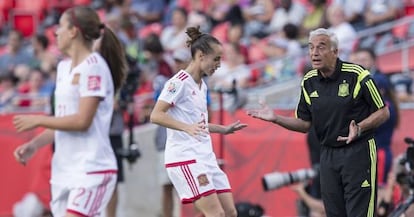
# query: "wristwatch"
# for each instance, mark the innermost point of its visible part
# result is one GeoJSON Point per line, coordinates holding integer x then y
{"type": "Point", "coordinates": [359, 131]}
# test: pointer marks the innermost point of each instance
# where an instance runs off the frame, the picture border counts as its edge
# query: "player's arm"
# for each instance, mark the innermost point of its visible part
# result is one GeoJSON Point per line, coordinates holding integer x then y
{"type": "Point", "coordinates": [79, 121]}
{"type": "Point", "coordinates": [228, 129]}
{"type": "Point", "coordinates": [373, 96]}
{"type": "Point", "coordinates": [292, 123]}
{"type": "Point", "coordinates": [160, 116]}
{"type": "Point", "coordinates": [45, 138]}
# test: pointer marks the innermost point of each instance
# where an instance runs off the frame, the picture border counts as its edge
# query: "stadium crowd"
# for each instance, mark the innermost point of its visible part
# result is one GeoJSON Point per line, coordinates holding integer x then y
{"type": "Point", "coordinates": [269, 33]}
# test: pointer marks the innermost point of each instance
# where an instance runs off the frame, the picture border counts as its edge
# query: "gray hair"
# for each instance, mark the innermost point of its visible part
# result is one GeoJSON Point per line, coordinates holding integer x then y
{"type": "Point", "coordinates": [322, 31]}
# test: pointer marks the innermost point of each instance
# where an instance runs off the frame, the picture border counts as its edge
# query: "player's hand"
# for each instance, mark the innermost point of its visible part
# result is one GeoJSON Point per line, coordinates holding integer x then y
{"type": "Point", "coordinates": [353, 133]}
{"type": "Point", "coordinates": [24, 152]}
{"type": "Point", "coordinates": [263, 113]}
{"type": "Point", "coordinates": [25, 122]}
{"type": "Point", "coordinates": [298, 187]}
{"type": "Point", "coordinates": [234, 127]}
{"type": "Point", "coordinates": [197, 130]}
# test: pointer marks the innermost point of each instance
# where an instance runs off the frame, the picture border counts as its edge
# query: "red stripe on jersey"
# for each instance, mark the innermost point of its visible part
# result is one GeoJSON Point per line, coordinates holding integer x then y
{"type": "Point", "coordinates": [182, 76]}
{"type": "Point", "coordinates": [188, 178]}
{"type": "Point", "coordinates": [100, 193]}
{"type": "Point", "coordinates": [76, 213]}
{"type": "Point", "coordinates": [191, 200]}
{"type": "Point", "coordinates": [223, 191]}
{"type": "Point", "coordinates": [102, 172]}
{"type": "Point", "coordinates": [181, 163]}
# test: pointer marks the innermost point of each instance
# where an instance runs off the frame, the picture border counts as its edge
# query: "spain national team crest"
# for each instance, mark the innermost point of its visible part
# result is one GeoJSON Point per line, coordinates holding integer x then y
{"type": "Point", "coordinates": [343, 89]}
{"type": "Point", "coordinates": [202, 180]}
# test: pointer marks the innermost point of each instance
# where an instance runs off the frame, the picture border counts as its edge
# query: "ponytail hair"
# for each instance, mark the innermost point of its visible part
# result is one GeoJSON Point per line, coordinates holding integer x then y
{"type": "Point", "coordinates": [113, 52]}
{"type": "Point", "coordinates": [200, 41]}
{"type": "Point", "coordinates": [91, 29]}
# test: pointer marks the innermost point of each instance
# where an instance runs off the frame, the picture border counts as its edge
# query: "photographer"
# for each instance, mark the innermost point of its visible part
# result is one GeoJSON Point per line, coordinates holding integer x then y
{"type": "Point", "coordinates": [397, 191]}
{"type": "Point", "coordinates": [315, 205]}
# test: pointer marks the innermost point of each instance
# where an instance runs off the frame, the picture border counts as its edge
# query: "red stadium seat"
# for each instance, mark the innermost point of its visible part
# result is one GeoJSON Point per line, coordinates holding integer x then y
{"type": "Point", "coordinates": [59, 5]}
{"type": "Point", "coordinates": [220, 31]}
{"type": "Point", "coordinates": [24, 21]}
{"type": "Point", "coordinates": [5, 7]}
{"type": "Point", "coordinates": [37, 6]}
{"type": "Point", "coordinates": [155, 28]}
{"type": "Point", "coordinates": [82, 2]}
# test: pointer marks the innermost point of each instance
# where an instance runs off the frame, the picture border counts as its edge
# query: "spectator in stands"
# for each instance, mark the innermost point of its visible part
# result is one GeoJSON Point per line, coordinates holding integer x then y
{"type": "Point", "coordinates": [37, 94]}
{"type": "Point", "coordinates": [288, 12]}
{"type": "Point", "coordinates": [15, 54]}
{"type": "Point", "coordinates": [381, 11]}
{"type": "Point", "coordinates": [83, 162]}
{"type": "Point", "coordinates": [44, 59]}
{"type": "Point", "coordinates": [316, 18]}
{"type": "Point", "coordinates": [129, 39]}
{"type": "Point", "coordinates": [232, 75]}
{"type": "Point", "coordinates": [290, 33]}
{"type": "Point", "coordinates": [197, 13]}
{"type": "Point", "coordinates": [220, 11]}
{"type": "Point", "coordinates": [146, 12]}
{"type": "Point", "coordinates": [235, 36]}
{"type": "Point", "coordinates": [347, 36]}
{"type": "Point", "coordinates": [173, 37]}
{"type": "Point", "coordinates": [258, 16]}
{"type": "Point", "coordinates": [22, 73]}
{"type": "Point", "coordinates": [284, 51]}
{"type": "Point", "coordinates": [8, 91]}
{"type": "Point", "coordinates": [384, 133]}
{"type": "Point", "coordinates": [156, 62]}
{"type": "Point", "coordinates": [354, 12]}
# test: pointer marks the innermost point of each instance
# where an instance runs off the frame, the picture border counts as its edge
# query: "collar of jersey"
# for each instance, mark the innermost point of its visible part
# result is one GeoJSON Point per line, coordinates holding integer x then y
{"type": "Point", "coordinates": [336, 73]}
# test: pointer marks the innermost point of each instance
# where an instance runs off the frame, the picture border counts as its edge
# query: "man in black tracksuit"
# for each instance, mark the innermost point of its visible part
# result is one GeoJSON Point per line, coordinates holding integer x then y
{"type": "Point", "coordinates": [342, 103]}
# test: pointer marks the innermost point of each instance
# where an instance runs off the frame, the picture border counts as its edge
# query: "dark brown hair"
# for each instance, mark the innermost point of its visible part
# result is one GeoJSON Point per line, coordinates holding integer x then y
{"type": "Point", "coordinates": [200, 41]}
{"type": "Point", "coordinates": [91, 28]}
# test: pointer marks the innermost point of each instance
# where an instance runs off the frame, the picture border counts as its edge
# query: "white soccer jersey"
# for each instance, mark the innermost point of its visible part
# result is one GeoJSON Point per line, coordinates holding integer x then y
{"type": "Point", "coordinates": [189, 105]}
{"type": "Point", "coordinates": [79, 153]}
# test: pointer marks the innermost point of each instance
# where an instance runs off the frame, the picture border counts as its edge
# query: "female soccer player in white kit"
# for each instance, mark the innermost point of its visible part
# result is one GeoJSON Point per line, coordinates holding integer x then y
{"type": "Point", "coordinates": [182, 108]}
{"type": "Point", "coordinates": [83, 165]}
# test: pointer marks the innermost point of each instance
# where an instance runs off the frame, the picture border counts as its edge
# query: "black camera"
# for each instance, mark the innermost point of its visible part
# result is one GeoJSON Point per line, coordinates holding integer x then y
{"type": "Point", "coordinates": [247, 209]}
{"type": "Point", "coordinates": [131, 153]}
{"type": "Point", "coordinates": [275, 180]}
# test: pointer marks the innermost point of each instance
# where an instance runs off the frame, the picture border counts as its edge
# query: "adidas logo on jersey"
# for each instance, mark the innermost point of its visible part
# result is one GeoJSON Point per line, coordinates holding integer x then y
{"type": "Point", "coordinates": [365, 184]}
{"type": "Point", "coordinates": [314, 94]}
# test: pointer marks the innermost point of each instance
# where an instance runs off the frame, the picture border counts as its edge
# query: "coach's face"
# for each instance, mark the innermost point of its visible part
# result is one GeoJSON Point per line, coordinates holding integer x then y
{"type": "Point", "coordinates": [322, 54]}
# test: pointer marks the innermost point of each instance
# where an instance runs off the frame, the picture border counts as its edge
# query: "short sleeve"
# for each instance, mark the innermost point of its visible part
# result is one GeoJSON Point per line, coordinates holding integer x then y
{"type": "Point", "coordinates": [302, 109]}
{"type": "Point", "coordinates": [93, 81]}
{"type": "Point", "coordinates": [172, 91]}
{"type": "Point", "coordinates": [371, 94]}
